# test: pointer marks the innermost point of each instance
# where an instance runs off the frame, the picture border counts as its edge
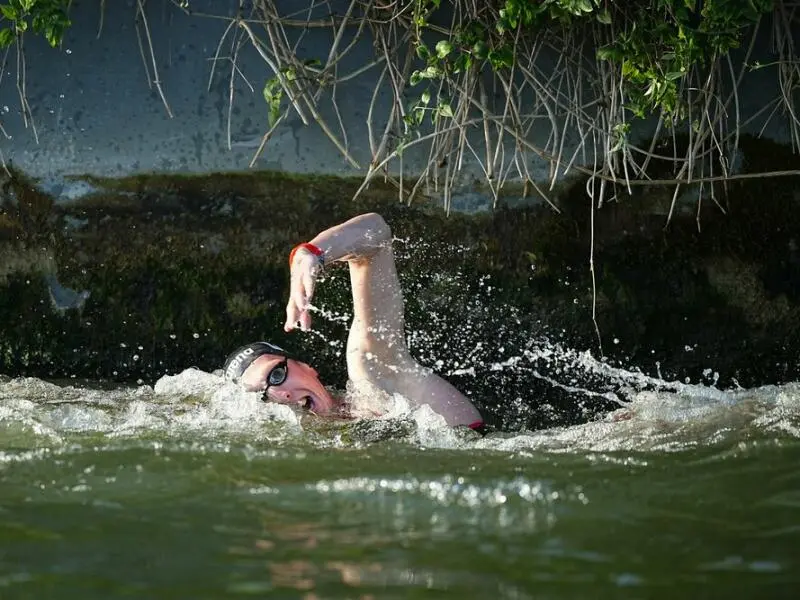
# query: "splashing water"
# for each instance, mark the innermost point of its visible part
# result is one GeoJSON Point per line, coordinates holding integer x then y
{"type": "Point", "coordinates": [235, 496]}
{"type": "Point", "coordinates": [652, 414]}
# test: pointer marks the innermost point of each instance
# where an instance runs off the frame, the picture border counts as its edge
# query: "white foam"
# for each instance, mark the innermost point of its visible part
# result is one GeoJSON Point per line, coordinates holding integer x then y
{"type": "Point", "coordinates": [655, 415]}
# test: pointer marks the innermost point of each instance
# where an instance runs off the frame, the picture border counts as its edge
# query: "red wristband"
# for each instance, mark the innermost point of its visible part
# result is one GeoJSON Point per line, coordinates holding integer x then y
{"type": "Point", "coordinates": [315, 250]}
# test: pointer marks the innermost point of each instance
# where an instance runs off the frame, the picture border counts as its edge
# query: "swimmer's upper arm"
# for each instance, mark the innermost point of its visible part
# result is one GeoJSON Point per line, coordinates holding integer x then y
{"type": "Point", "coordinates": [376, 346]}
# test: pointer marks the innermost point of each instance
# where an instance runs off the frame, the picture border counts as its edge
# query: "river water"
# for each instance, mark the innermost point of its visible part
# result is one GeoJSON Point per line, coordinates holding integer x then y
{"type": "Point", "coordinates": [192, 488]}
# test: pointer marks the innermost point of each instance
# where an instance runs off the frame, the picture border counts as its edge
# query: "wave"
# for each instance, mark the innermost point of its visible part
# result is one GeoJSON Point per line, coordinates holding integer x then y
{"type": "Point", "coordinates": [652, 414]}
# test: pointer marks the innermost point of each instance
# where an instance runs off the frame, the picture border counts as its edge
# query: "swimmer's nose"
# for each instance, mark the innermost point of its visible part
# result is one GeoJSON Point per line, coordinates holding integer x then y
{"type": "Point", "coordinates": [282, 394]}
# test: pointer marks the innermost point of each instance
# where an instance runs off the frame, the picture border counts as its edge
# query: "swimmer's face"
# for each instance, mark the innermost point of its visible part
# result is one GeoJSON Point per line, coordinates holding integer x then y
{"type": "Point", "coordinates": [302, 386]}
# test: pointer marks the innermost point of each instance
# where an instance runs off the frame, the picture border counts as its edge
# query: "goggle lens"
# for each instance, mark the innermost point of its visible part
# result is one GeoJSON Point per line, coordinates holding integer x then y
{"type": "Point", "coordinates": [278, 374]}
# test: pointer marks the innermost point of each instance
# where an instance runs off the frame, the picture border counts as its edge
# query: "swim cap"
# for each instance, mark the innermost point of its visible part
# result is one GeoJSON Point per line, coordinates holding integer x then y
{"type": "Point", "coordinates": [237, 363]}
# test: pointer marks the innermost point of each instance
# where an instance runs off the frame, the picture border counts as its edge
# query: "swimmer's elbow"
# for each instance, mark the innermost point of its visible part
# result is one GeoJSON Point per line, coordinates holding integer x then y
{"type": "Point", "coordinates": [378, 227]}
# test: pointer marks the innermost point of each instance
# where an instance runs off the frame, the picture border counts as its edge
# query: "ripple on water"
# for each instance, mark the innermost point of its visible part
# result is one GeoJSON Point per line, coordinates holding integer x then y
{"type": "Point", "coordinates": [449, 502]}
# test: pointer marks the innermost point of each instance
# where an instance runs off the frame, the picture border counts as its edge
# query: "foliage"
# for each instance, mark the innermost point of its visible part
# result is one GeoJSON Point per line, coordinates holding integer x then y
{"type": "Point", "coordinates": [274, 88]}
{"type": "Point", "coordinates": [44, 17]}
{"type": "Point", "coordinates": [654, 44]}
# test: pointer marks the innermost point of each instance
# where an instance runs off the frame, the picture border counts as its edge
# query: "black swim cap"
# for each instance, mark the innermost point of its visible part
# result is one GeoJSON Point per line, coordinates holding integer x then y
{"type": "Point", "coordinates": [237, 363]}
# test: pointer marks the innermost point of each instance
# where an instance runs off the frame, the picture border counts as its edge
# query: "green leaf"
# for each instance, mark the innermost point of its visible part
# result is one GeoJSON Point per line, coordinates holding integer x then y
{"type": "Point", "coordinates": [462, 63]}
{"type": "Point", "coordinates": [431, 72]}
{"type": "Point", "coordinates": [273, 94]}
{"type": "Point", "coordinates": [423, 52]}
{"type": "Point", "coordinates": [443, 48]}
{"type": "Point", "coordinates": [54, 34]}
{"type": "Point", "coordinates": [6, 38]}
{"type": "Point", "coordinates": [480, 50]}
{"type": "Point", "coordinates": [426, 97]}
{"type": "Point", "coordinates": [290, 74]}
{"type": "Point", "coordinates": [9, 12]}
{"type": "Point", "coordinates": [604, 17]}
{"type": "Point", "coordinates": [610, 54]}
{"type": "Point", "coordinates": [585, 6]}
{"type": "Point", "coordinates": [27, 4]}
{"type": "Point", "coordinates": [445, 109]}
{"type": "Point", "coordinates": [501, 58]}
{"type": "Point", "coordinates": [415, 78]}
{"type": "Point", "coordinates": [674, 75]}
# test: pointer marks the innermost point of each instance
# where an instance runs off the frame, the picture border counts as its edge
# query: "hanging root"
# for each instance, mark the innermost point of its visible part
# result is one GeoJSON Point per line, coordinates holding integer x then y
{"type": "Point", "coordinates": [555, 108]}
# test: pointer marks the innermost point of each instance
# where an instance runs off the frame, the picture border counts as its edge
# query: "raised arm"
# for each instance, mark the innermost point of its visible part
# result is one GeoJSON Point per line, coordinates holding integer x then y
{"type": "Point", "coordinates": [376, 346]}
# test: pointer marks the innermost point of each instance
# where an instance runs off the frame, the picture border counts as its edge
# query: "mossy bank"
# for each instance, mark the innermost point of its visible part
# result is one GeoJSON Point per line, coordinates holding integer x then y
{"type": "Point", "coordinates": [180, 270]}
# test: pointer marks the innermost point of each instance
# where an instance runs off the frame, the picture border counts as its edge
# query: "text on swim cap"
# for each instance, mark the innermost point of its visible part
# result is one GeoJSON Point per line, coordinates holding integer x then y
{"type": "Point", "coordinates": [237, 361]}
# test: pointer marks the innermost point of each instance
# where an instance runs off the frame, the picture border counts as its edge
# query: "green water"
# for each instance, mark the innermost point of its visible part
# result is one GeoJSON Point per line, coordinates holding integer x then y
{"type": "Point", "coordinates": [126, 494]}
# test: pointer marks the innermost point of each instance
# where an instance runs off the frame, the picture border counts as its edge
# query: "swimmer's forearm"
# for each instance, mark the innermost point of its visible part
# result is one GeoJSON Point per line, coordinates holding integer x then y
{"type": "Point", "coordinates": [360, 237]}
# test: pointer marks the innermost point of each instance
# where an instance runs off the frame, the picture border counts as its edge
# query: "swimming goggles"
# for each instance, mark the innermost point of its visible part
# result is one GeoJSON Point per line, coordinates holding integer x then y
{"type": "Point", "coordinates": [277, 375]}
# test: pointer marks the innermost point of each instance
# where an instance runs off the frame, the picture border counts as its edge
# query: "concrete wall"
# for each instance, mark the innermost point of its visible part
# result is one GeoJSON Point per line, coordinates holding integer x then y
{"type": "Point", "coordinates": [94, 112]}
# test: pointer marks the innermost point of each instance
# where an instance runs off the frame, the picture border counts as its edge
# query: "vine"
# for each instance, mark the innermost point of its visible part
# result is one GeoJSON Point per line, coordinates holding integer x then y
{"type": "Point", "coordinates": [654, 44]}
{"type": "Point", "coordinates": [48, 18]}
{"type": "Point", "coordinates": [524, 90]}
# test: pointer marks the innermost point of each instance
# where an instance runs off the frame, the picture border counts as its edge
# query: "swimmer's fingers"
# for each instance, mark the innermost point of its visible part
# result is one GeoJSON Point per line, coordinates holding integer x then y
{"type": "Point", "coordinates": [296, 318]}
{"type": "Point", "coordinates": [297, 308]}
{"type": "Point", "coordinates": [292, 316]}
{"type": "Point", "coordinates": [303, 278]}
{"type": "Point", "coordinates": [303, 300]}
{"type": "Point", "coordinates": [309, 279]}
{"type": "Point", "coordinates": [305, 320]}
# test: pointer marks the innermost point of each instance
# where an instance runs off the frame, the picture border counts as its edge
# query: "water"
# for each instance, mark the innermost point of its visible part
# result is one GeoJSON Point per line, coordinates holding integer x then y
{"type": "Point", "coordinates": [192, 488]}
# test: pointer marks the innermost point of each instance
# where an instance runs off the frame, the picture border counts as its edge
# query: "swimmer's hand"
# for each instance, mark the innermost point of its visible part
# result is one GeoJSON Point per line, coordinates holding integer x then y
{"type": "Point", "coordinates": [305, 269]}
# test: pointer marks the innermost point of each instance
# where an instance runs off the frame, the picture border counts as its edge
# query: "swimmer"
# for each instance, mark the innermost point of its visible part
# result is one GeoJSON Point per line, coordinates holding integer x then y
{"type": "Point", "coordinates": [376, 346]}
